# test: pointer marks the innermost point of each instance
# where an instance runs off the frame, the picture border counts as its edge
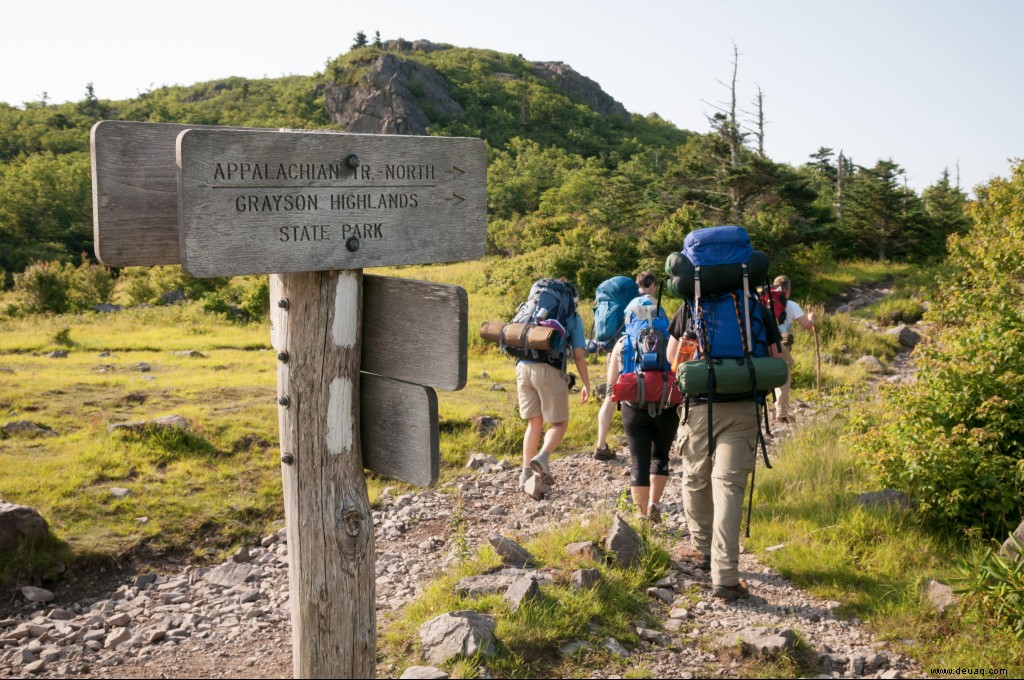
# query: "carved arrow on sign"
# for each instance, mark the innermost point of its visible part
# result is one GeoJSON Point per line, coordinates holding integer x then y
{"type": "Point", "coordinates": [455, 199]}
{"type": "Point", "coordinates": [455, 170]}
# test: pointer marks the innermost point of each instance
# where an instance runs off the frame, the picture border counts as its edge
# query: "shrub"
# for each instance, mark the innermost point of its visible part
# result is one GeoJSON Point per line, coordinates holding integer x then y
{"type": "Point", "coordinates": [90, 285]}
{"type": "Point", "coordinates": [996, 582]}
{"type": "Point", "coordinates": [45, 287]}
{"type": "Point", "coordinates": [955, 438]}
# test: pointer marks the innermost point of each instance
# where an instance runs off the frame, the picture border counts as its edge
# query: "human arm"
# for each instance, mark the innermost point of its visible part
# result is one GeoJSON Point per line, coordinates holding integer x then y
{"type": "Point", "coordinates": [580, 357]}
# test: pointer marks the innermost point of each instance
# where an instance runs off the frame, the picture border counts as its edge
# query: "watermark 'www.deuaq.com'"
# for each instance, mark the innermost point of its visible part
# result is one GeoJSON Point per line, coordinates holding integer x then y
{"type": "Point", "coordinates": [961, 671]}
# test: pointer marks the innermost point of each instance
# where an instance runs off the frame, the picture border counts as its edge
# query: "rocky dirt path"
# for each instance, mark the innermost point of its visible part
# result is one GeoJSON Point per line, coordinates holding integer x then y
{"type": "Point", "coordinates": [232, 620]}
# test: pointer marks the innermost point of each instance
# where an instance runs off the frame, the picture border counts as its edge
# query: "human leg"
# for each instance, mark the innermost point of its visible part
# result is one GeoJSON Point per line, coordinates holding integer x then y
{"type": "Point", "coordinates": [782, 393]}
{"type": "Point", "coordinates": [639, 435]}
{"type": "Point", "coordinates": [698, 503]}
{"type": "Point", "coordinates": [604, 424]}
{"type": "Point", "coordinates": [665, 426]}
{"type": "Point", "coordinates": [736, 436]}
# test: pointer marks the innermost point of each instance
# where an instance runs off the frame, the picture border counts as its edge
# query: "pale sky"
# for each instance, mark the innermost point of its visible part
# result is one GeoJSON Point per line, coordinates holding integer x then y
{"type": "Point", "coordinates": [928, 83]}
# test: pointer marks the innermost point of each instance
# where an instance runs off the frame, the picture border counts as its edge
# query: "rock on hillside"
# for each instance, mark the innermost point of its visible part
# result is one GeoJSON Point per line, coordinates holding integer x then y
{"type": "Point", "coordinates": [382, 102]}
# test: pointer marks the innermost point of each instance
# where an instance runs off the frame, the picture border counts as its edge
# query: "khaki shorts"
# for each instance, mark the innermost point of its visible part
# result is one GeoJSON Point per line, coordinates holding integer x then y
{"type": "Point", "coordinates": [542, 392]}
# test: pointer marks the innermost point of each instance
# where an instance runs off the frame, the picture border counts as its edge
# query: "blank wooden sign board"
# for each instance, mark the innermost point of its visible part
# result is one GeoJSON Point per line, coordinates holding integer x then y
{"type": "Point", "coordinates": [358, 358]}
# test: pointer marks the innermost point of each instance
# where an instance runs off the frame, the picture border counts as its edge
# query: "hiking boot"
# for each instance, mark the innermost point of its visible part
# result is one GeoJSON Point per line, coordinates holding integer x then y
{"type": "Point", "coordinates": [524, 476]}
{"type": "Point", "coordinates": [686, 554]}
{"type": "Point", "coordinates": [541, 466]}
{"type": "Point", "coordinates": [604, 453]}
{"type": "Point", "coordinates": [654, 513]}
{"type": "Point", "coordinates": [730, 593]}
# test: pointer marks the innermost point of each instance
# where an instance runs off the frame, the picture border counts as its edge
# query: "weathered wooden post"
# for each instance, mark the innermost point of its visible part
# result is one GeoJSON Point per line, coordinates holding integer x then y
{"type": "Point", "coordinates": [316, 208]}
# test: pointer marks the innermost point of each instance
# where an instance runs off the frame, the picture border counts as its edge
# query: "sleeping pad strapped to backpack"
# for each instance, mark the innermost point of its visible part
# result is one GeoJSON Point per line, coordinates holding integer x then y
{"type": "Point", "coordinates": [551, 303]}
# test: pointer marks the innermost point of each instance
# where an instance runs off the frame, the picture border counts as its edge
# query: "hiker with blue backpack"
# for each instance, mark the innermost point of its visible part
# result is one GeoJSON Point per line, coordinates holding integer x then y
{"type": "Point", "coordinates": [611, 299]}
{"type": "Point", "coordinates": [646, 391]}
{"type": "Point", "coordinates": [541, 379]}
{"type": "Point", "coordinates": [738, 361]}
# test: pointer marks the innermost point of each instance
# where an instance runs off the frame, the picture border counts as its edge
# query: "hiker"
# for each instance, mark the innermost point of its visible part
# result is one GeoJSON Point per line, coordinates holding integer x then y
{"type": "Point", "coordinates": [650, 427]}
{"type": "Point", "coordinates": [543, 387]}
{"type": "Point", "coordinates": [646, 284]}
{"type": "Point", "coordinates": [739, 345]}
{"type": "Point", "coordinates": [792, 313]}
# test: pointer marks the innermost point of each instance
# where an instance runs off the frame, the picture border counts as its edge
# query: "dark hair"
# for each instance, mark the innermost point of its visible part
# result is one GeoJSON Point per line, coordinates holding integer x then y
{"type": "Point", "coordinates": [646, 279]}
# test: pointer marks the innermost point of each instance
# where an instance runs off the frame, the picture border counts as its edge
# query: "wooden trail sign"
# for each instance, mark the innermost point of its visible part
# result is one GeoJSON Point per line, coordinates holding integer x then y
{"type": "Point", "coordinates": [253, 202]}
{"type": "Point", "coordinates": [340, 406]}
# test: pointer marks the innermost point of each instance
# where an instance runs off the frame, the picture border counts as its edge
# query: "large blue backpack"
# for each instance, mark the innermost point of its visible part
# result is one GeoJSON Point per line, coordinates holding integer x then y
{"type": "Point", "coordinates": [551, 303]}
{"type": "Point", "coordinates": [717, 274]}
{"type": "Point", "coordinates": [610, 302]}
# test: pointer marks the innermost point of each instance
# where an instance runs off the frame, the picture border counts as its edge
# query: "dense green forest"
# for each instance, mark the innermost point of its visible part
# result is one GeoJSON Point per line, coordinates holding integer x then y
{"type": "Point", "coordinates": [570, 191]}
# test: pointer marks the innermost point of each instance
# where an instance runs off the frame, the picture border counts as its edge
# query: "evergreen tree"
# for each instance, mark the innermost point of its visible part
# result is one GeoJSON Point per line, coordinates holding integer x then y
{"type": "Point", "coordinates": [360, 40]}
{"type": "Point", "coordinates": [376, 39]}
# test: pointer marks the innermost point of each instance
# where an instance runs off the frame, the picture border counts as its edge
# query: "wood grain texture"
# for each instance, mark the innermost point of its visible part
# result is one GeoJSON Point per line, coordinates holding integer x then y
{"type": "Point", "coordinates": [327, 511]}
{"type": "Point", "coordinates": [256, 201]}
{"type": "Point", "coordinates": [399, 430]}
{"type": "Point", "coordinates": [134, 193]}
{"type": "Point", "coordinates": [415, 331]}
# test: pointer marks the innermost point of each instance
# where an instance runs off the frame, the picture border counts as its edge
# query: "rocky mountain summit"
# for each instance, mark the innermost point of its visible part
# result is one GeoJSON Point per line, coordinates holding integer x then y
{"type": "Point", "coordinates": [395, 93]}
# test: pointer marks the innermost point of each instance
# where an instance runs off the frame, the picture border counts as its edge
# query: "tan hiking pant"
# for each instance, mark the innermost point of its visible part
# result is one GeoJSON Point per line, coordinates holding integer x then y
{"type": "Point", "coordinates": [713, 486]}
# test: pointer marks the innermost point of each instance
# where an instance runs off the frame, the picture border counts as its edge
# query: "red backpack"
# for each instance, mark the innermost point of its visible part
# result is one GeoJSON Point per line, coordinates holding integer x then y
{"type": "Point", "coordinates": [774, 298]}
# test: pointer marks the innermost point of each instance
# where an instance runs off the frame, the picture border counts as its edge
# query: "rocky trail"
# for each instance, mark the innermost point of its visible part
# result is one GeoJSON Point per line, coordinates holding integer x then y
{"type": "Point", "coordinates": [232, 619]}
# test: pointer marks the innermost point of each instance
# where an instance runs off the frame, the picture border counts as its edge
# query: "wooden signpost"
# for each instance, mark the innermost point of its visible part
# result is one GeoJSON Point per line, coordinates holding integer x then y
{"type": "Point", "coordinates": [358, 358]}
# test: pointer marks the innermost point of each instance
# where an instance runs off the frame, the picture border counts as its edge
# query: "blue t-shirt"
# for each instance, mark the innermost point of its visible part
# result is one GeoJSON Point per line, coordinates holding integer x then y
{"type": "Point", "coordinates": [577, 338]}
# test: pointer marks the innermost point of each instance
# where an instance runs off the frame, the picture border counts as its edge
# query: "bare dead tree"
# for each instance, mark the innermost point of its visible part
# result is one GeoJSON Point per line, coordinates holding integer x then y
{"type": "Point", "coordinates": [726, 124]}
{"type": "Point", "coordinates": [840, 183]}
{"type": "Point", "coordinates": [759, 121]}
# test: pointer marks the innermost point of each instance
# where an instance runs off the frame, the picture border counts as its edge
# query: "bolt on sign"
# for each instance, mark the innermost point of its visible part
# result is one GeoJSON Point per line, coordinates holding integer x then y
{"type": "Point", "coordinates": [357, 357]}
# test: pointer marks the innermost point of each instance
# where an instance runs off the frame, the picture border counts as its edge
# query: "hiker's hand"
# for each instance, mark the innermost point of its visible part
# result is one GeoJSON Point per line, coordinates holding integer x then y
{"type": "Point", "coordinates": [810, 317]}
{"type": "Point", "coordinates": [584, 394]}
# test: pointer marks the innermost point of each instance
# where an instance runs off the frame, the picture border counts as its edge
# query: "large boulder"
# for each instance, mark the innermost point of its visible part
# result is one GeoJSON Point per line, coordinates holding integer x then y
{"type": "Point", "coordinates": [20, 523]}
{"type": "Point", "coordinates": [1009, 549]}
{"type": "Point", "coordinates": [905, 335]}
{"type": "Point", "coordinates": [455, 634]}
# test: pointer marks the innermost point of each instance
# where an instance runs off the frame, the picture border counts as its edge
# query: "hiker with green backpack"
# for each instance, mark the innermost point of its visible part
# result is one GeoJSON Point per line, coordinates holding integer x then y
{"type": "Point", "coordinates": [738, 361]}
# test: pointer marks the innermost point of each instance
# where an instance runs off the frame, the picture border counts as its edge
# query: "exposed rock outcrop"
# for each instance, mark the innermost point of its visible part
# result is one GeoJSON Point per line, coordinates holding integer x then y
{"type": "Point", "coordinates": [579, 86]}
{"type": "Point", "coordinates": [383, 102]}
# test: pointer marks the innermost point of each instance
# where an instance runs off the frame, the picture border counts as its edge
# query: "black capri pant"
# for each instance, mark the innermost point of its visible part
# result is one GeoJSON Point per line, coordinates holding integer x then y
{"type": "Point", "coordinates": [650, 440]}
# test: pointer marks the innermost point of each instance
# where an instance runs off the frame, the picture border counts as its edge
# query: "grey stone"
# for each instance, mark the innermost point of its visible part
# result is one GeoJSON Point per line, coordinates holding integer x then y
{"type": "Point", "coordinates": [663, 594]}
{"type": "Point", "coordinates": [20, 523]}
{"type": "Point", "coordinates": [33, 594]}
{"type": "Point", "coordinates": [103, 307]}
{"type": "Point", "coordinates": [166, 422]}
{"type": "Point", "coordinates": [485, 425]}
{"type": "Point", "coordinates": [585, 578]}
{"type": "Point", "coordinates": [679, 613]}
{"type": "Point", "coordinates": [116, 637]}
{"type": "Point", "coordinates": [905, 335]}
{"type": "Point", "coordinates": [423, 673]}
{"type": "Point", "coordinates": [172, 296]}
{"type": "Point", "coordinates": [624, 542]}
{"type": "Point", "coordinates": [497, 510]}
{"type": "Point", "coordinates": [871, 364]}
{"type": "Point", "coordinates": [60, 615]}
{"type": "Point", "coordinates": [119, 492]}
{"type": "Point", "coordinates": [26, 428]}
{"type": "Point", "coordinates": [536, 488]}
{"type": "Point", "coordinates": [939, 595]}
{"type": "Point", "coordinates": [229, 574]}
{"type": "Point", "coordinates": [242, 555]}
{"type": "Point", "coordinates": [583, 549]}
{"type": "Point", "coordinates": [523, 590]}
{"type": "Point", "coordinates": [510, 551]}
{"type": "Point", "coordinates": [36, 667]}
{"type": "Point", "coordinates": [190, 353]}
{"type": "Point", "coordinates": [614, 647]}
{"type": "Point", "coordinates": [654, 636]}
{"type": "Point", "coordinates": [768, 643]}
{"type": "Point", "coordinates": [884, 499]}
{"type": "Point", "coordinates": [579, 87]}
{"type": "Point", "coordinates": [58, 354]}
{"type": "Point", "coordinates": [480, 460]}
{"type": "Point", "coordinates": [487, 584]}
{"type": "Point", "coordinates": [455, 634]}
{"type": "Point", "coordinates": [571, 649]}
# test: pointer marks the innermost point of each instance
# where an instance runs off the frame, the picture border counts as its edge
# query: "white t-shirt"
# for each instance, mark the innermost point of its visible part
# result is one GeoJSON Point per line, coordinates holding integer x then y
{"type": "Point", "coordinates": [793, 312]}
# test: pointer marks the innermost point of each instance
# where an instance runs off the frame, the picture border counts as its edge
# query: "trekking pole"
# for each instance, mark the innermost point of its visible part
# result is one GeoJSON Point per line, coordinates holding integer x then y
{"type": "Point", "coordinates": [817, 358]}
{"type": "Point", "coordinates": [750, 503]}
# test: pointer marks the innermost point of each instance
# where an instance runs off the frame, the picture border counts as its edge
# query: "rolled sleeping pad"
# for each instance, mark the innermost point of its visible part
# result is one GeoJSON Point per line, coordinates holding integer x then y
{"type": "Point", "coordinates": [732, 376]}
{"type": "Point", "coordinates": [714, 279]}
